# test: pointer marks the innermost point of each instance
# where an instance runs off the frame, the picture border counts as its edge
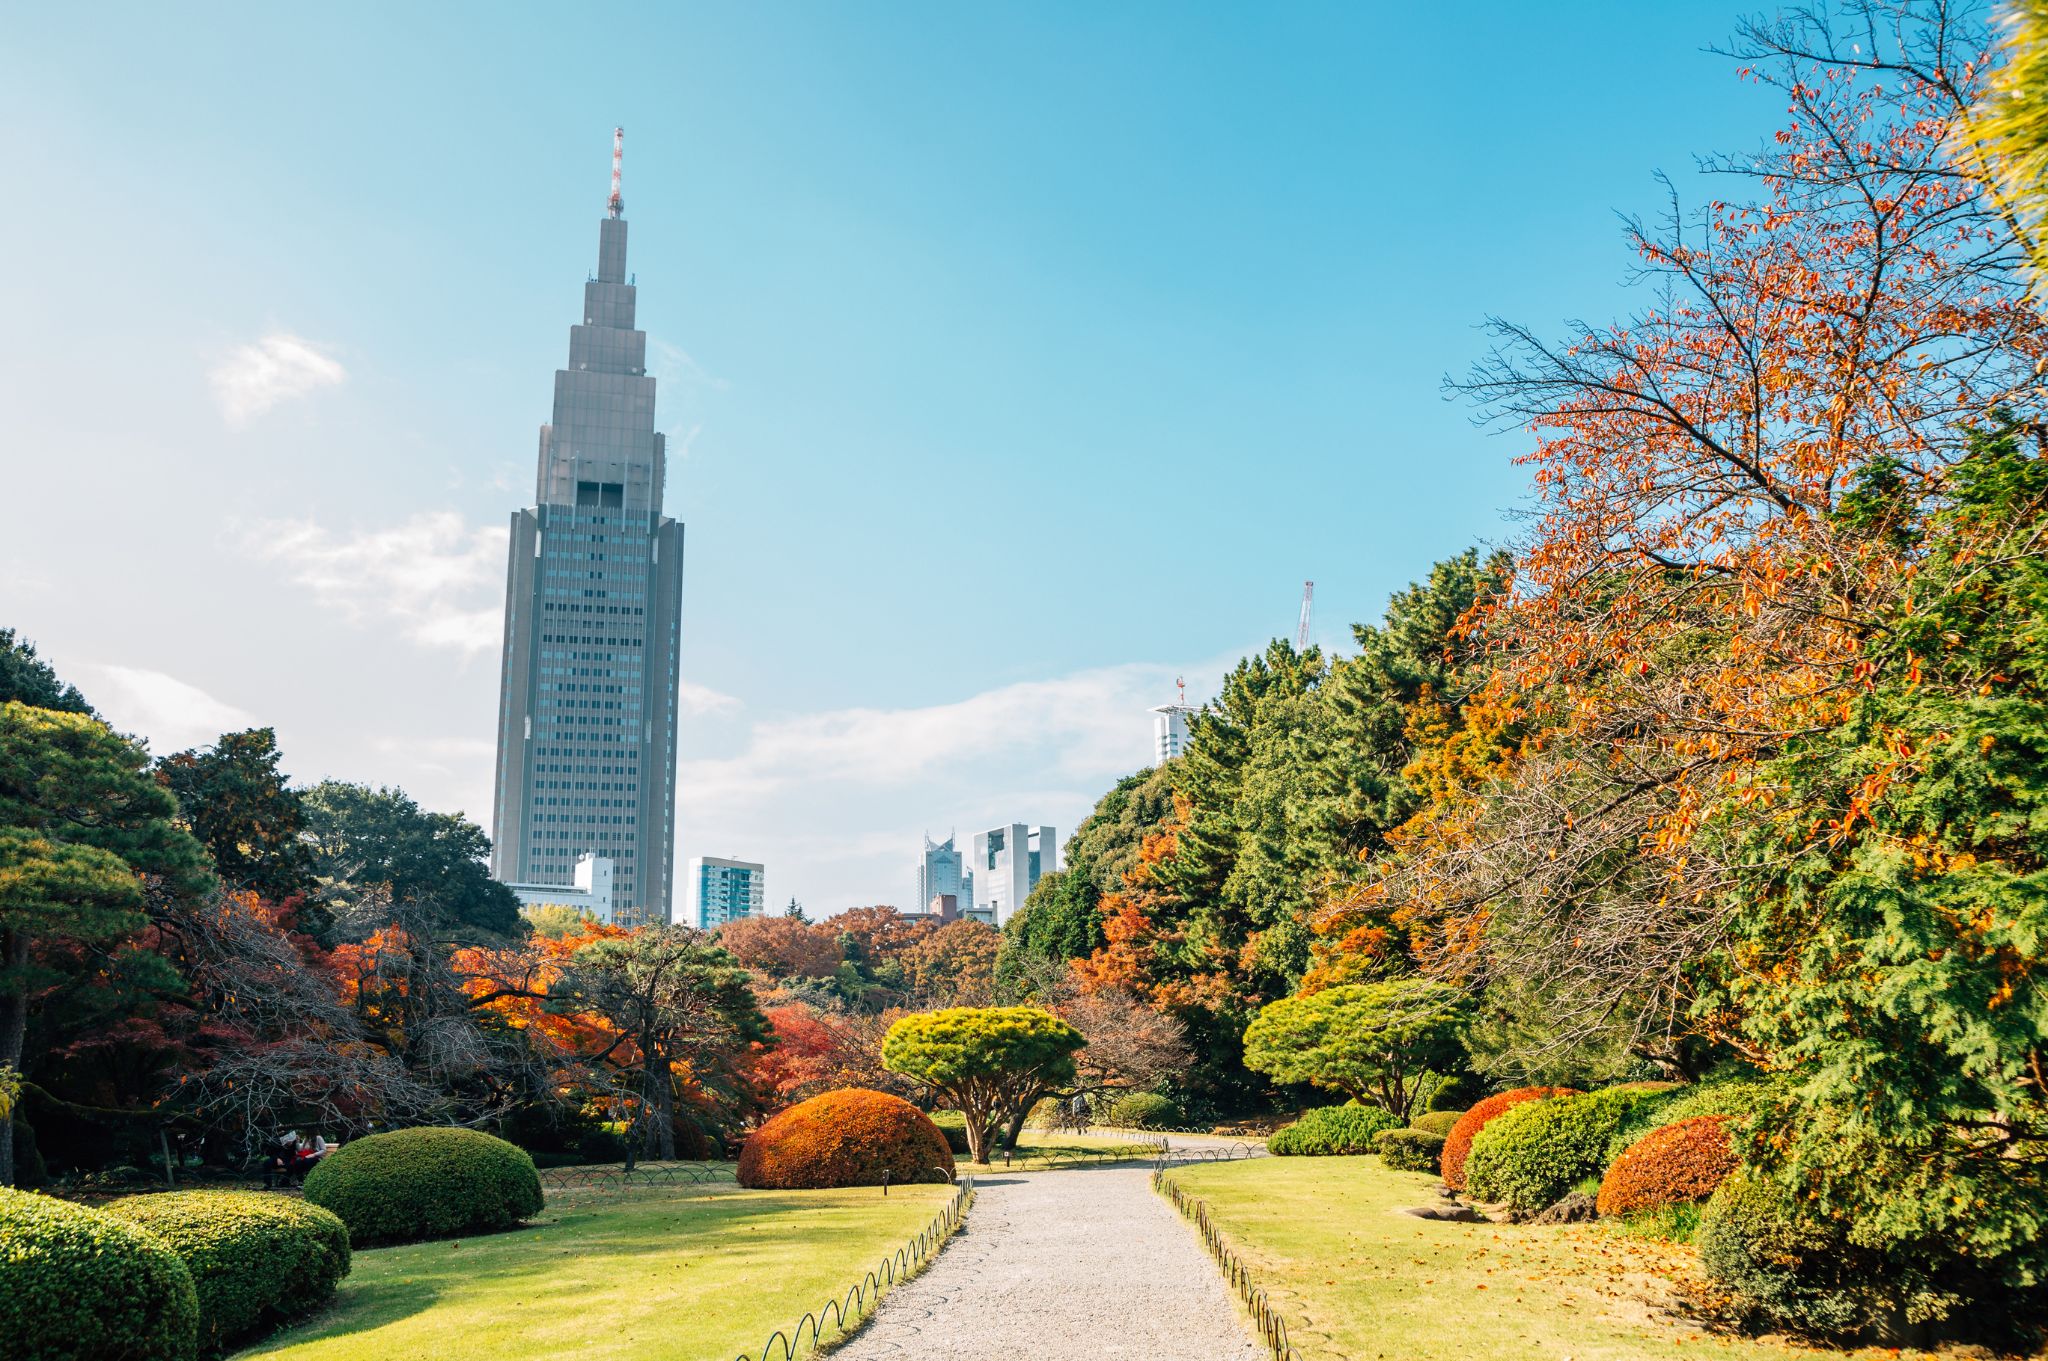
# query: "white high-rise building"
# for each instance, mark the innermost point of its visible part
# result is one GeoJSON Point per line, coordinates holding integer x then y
{"type": "Point", "coordinates": [591, 893]}
{"type": "Point", "coordinates": [725, 890]}
{"type": "Point", "coordinates": [1169, 732]}
{"type": "Point", "coordinates": [941, 870]}
{"type": "Point", "coordinates": [1008, 862]}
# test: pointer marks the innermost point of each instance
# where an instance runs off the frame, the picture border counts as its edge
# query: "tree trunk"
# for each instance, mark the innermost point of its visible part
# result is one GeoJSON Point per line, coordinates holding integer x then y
{"type": "Point", "coordinates": [1015, 1126]}
{"type": "Point", "coordinates": [657, 1097]}
{"type": "Point", "coordinates": [978, 1133]}
{"type": "Point", "coordinates": [13, 1029]}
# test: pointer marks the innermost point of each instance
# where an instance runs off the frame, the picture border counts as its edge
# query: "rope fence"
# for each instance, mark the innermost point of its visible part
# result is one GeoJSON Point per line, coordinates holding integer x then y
{"type": "Point", "coordinates": [842, 1314]}
{"type": "Point", "coordinates": [1272, 1325]}
{"type": "Point", "coordinates": [613, 1177]}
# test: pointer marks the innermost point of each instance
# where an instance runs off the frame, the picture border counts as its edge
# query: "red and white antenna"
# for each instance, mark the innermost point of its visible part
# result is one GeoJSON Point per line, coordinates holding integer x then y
{"type": "Point", "coordinates": [1181, 683]}
{"type": "Point", "coordinates": [617, 204]}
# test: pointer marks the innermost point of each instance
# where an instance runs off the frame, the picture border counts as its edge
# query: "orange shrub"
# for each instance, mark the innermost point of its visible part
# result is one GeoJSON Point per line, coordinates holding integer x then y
{"type": "Point", "coordinates": [1458, 1143]}
{"type": "Point", "coordinates": [845, 1138]}
{"type": "Point", "coordinates": [1672, 1165]}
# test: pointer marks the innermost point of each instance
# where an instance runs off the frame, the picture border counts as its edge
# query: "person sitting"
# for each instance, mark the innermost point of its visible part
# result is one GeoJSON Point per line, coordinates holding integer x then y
{"type": "Point", "coordinates": [310, 1150]}
{"type": "Point", "coordinates": [278, 1159]}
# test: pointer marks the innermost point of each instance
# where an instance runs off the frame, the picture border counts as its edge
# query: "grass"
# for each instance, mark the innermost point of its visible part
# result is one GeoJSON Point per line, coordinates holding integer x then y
{"type": "Point", "coordinates": [1357, 1279]}
{"type": "Point", "coordinates": [696, 1274]}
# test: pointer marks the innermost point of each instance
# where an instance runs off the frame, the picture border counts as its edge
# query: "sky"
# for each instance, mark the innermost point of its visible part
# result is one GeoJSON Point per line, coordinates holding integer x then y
{"type": "Point", "coordinates": [1015, 359]}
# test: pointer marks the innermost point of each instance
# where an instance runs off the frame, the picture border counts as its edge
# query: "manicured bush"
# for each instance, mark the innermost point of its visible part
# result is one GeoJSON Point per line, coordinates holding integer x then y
{"type": "Point", "coordinates": [1678, 1164]}
{"type": "Point", "coordinates": [257, 1260]}
{"type": "Point", "coordinates": [1329, 1130]}
{"type": "Point", "coordinates": [1533, 1155]}
{"type": "Point", "coordinates": [851, 1137]}
{"type": "Point", "coordinates": [1410, 1150]}
{"type": "Point", "coordinates": [431, 1182]}
{"type": "Point", "coordinates": [79, 1285]}
{"type": "Point", "coordinates": [1437, 1122]}
{"type": "Point", "coordinates": [953, 1125]}
{"type": "Point", "coordinates": [1782, 1265]}
{"type": "Point", "coordinates": [1458, 1143]}
{"type": "Point", "coordinates": [1143, 1110]}
{"type": "Point", "coordinates": [1740, 1098]}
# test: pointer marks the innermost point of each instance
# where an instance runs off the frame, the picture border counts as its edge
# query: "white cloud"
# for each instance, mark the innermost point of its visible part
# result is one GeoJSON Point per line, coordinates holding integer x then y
{"type": "Point", "coordinates": [700, 700]}
{"type": "Point", "coordinates": [251, 379]}
{"type": "Point", "coordinates": [434, 576]}
{"type": "Point", "coordinates": [172, 714]}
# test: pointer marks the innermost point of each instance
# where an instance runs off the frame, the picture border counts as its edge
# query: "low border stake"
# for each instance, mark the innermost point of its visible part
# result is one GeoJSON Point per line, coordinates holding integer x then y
{"type": "Point", "coordinates": [1271, 1324]}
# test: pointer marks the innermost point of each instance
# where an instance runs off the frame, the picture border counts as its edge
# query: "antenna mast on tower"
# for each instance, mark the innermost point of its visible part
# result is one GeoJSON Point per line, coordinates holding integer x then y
{"type": "Point", "coordinates": [1308, 595]}
{"type": "Point", "coordinates": [617, 205]}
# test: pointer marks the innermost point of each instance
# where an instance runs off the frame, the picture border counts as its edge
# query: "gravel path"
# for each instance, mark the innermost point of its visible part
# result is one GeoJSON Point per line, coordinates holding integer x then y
{"type": "Point", "coordinates": [1084, 1265]}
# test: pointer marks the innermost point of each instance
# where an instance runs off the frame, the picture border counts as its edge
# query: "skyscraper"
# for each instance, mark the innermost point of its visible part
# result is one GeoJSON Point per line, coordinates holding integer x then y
{"type": "Point", "coordinates": [724, 891]}
{"type": "Point", "coordinates": [1008, 863]}
{"type": "Point", "coordinates": [593, 613]}
{"type": "Point", "coordinates": [942, 870]}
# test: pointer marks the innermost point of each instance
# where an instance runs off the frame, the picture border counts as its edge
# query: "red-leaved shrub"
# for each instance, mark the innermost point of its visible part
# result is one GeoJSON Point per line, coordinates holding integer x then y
{"type": "Point", "coordinates": [1672, 1165]}
{"type": "Point", "coordinates": [849, 1137]}
{"type": "Point", "coordinates": [1458, 1143]}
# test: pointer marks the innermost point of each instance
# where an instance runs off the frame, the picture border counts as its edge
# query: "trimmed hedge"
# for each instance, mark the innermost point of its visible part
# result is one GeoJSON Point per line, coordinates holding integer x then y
{"type": "Point", "coordinates": [1332, 1130]}
{"type": "Point", "coordinates": [1532, 1156]}
{"type": "Point", "coordinates": [430, 1182]}
{"type": "Point", "coordinates": [1458, 1143]}
{"type": "Point", "coordinates": [851, 1137]}
{"type": "Point", "coordinates": [81, 1285]}
{"type": "Point", "coordinates": [1679, 1164]}
{"type": "Point", "coordinates": [1437, 1122]}
{"type": "Point", "coordinates": [1143, 1110]}
{"type": "Point", "coordinates": [1411, 1150]}
{"type": "Point", "coordinates": [953, 1125]}
{"type": "Point", "coordinates": [258, 1260]}
{"type": "Point", "coordinates": [1741, 1098]}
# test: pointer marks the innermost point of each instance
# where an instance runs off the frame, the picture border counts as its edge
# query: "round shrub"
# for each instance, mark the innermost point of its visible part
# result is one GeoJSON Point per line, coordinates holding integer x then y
{"type": "Point", "coordinates": [1411, 1150]}
{"type": "Point", "coordinates": [851, 1137]}
{"type": "Point", "coordinates": [1678, 1164]}
{"type": "Point", "coordinates": [1143, 1110]}
{"type": "Point", "coordinates": [430, 1182]}
{"type": "Point", "coordinates": [1740, 1098]}
{"type": "Point", "coordinates": [1329, 1130]}
{"type": "Point", "coordinates": [1437, 1122]}
{"type": "Point", "coordinates": [1532, 1156]}
{"type": "Point", "coordinates": [1783, 1266]}
{"type": "Point", "coordinates": [1458, 1143]}
{"type": "Point", "coordinates": [79, 1284]}
{"type": "Point", "coordinates": [953, 1125]}
{"type": "Point", "coordinates": [257, 1260]}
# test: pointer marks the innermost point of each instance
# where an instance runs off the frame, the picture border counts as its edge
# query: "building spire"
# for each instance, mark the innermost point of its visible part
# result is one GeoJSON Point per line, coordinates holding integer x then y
{"type": "Point", "coordinates": [617, 206]}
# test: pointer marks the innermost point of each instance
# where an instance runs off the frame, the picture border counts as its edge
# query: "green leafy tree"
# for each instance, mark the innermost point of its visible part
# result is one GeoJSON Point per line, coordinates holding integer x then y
{"type": "Point", "coordinates": [989, 1063]}
{"type": "Point", "coordinates": [371, 845]}
{"type": "Point", "coordinates": [240, 806]}
{"type": "Point", "coordinates": [27, 679]}
{"type": "Point", "coordinates": [1379, 1043]}
{"type": "Point", "coordinates": [675, 1003]}
{"type": "Point", "coordinates": [84, 831]}
{"type": "Point", "coordinates": [1889, 948]}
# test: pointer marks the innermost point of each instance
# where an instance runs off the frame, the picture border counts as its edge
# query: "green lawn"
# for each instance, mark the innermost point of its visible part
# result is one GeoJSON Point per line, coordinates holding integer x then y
{"type": "Point", "coordinates": [699, 1274]}
{"type": "Point", "coordinates": [1357, 1279]}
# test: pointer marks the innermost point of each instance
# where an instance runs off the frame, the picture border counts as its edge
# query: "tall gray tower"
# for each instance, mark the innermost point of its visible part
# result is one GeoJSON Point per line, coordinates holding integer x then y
{"type": "Point", "coordinates": [593, 611]}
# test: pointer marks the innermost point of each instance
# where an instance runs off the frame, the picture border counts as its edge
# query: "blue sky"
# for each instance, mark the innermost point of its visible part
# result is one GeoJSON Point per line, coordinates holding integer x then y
{"type": "Point", "coordinates": [1014, 358]}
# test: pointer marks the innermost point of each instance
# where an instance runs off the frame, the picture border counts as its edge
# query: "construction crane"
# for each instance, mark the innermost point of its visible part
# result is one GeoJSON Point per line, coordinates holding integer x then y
{"type": "Point", "coordinates": [1308, 595]}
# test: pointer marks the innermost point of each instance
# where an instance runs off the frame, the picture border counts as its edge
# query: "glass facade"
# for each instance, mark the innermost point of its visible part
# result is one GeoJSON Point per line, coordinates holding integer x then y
{"type": "Point", "coordinates": [593, 617]}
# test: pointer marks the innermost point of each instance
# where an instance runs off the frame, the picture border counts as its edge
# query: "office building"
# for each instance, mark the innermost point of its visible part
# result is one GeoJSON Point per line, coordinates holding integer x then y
{"type": "Point", "coordinates": [589, 891]}
{"type": "Point", "coordinates": [1169, 732]}
{"type": "Point", "coordinates": [725, 890]}
{"type": "Point", "coordinates": [1008, 862]}
{"type": "Point", "coordinates": [942, 870]}
{"type": "Point", "coordinates": [593, 614]}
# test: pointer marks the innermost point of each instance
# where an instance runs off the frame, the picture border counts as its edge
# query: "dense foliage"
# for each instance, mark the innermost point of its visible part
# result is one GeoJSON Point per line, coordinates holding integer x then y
{"type": "Point", "coordinates": [1437, 1122]}
{"type": "Point", "coordinates": [1458, 1143]}
{"type": "Point", "coordinates": [1676, 1164]}
{"type": "Point", "coordinates": [1410, 1150]}
{"type": "Point", "coordinates": [414, 1184]}
{"type": "Point", "coordinates": [81, 1285]}
{"type": "Point", "coordinates": [1331, 1130]}
{"type": "Point", "coordinates": [992, 1064]}
{"type": "Point", "coordinates": [257, 1260]}
{"type": "Point", "coordinates": [1374, 1042]}
{"type": "Point", "coordinates": [1142, 1110]}
{"type": "Point", "coordinates": [846, 1138]}
{"type": "Point", "coordinates": [1529, 1157]}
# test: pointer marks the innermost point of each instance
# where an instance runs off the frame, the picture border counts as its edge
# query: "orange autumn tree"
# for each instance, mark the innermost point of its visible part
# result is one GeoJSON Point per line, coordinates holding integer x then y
{"type": "Point", "coordinates": [1704, 575]}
